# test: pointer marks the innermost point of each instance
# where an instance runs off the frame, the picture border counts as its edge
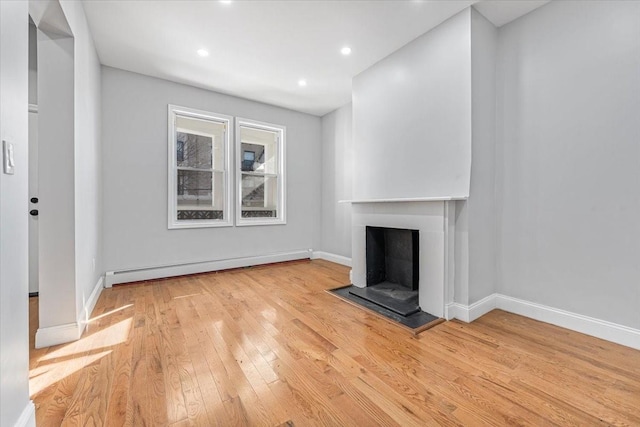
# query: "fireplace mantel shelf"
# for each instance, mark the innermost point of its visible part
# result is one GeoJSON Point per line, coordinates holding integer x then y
{"type": "Point", "coordinates": [412, 199]}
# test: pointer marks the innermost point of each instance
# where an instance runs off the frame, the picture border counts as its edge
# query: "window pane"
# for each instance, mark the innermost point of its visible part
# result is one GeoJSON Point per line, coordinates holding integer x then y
{"type": "Point", "coordinates": [259, 196]}
{"type": "Point", "coordinates": [259, 150]}
{"type": "Point", "coordinates": [200, 195]}
{"type": "Point", "coordinates": [200, 143]}
{"type": "Point", "coordinates": [193, 151]}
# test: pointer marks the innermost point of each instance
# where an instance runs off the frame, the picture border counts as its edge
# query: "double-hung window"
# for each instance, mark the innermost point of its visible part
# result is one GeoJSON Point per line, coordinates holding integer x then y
{"type": "Point", "coordinates": [199, 165]}
{"type": "Point", "coordinates": [260, 154]}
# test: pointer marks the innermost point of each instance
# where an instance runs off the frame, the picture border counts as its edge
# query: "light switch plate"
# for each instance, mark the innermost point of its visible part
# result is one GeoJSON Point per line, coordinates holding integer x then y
{"type": "Point", "coordinates": [7, 156]}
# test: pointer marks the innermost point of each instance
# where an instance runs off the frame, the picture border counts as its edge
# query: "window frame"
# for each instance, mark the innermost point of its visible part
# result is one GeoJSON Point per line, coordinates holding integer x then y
{"type": "Point", "coordinates": [281, 206]}
{"type": "Point", "coordinates": [227, 211]}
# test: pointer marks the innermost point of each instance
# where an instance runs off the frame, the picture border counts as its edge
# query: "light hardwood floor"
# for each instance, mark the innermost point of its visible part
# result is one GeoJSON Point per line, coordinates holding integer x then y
{"type": "Point", "coordinates": [267, 346]}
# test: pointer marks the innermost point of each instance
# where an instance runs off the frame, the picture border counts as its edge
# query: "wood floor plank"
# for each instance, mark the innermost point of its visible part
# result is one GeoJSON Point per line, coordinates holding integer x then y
{"type": "Point", "coordinates": [119, 392]}
{"type": "Point", "coordinates": [174, 399]}
{"type": "Point", "coordinates": [155, 385]}
{"type": "Point", "coordinates": [268, 346]}
{"type": "Point", "coordinates": [138, 404]}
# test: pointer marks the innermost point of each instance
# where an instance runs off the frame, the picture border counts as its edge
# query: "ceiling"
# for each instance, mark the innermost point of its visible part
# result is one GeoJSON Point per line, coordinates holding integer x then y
{"type": "Point", "coordinates": [260, 49]}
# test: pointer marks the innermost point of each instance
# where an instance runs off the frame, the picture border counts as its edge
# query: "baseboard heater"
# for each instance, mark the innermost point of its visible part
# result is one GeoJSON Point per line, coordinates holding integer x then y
{"type": "Point", "coordinates": [149, 273]}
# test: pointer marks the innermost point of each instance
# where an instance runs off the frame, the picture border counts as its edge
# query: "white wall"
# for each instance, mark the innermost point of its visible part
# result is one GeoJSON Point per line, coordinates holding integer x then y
{"type": "Point", "coordinates": [33, 64]}
{"type": "Point", "coordinates": [481, 203]}
{"type": "Point", "coordinates": [56, 217]}
{"type": "Point", "coordinates": [337, 178]}
{"type": "Point", "coordinates": [569, 158]}
{"type": "Point", "coordinates": [412, 118]}
{"type": "Point", "coordinates": [14, 317]}
{"type": "Point", "coordinates": [87, 151]}
{"type": "Point", "coordinates": [134, 123]}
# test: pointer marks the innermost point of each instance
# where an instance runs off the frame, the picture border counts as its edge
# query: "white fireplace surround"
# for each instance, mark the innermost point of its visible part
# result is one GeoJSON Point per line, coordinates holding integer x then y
{"type": "Point", "coordinates": [435, 222]}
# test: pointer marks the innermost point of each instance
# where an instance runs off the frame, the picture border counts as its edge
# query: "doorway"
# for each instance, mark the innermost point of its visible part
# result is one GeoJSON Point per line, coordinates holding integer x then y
{"type": "Point", "coordinates": [33, 160]}
{"type": "Point", "coordinates": [33, 201]}
{"type": "Point", "coordinates": [50, 204]}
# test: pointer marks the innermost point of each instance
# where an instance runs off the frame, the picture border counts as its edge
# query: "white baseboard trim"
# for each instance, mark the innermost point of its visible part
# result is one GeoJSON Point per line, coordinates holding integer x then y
{"type": "Point", "coordinates": [469, 313]}
{"type": "Point", "coordinates": [28, 416]}
{"type": "Point", "coordinates": [90, 304]}
{"type": "Point", "coordinates": [338, 259]}
{"type": "Point", "coordinates": [115, 277]}
{"type": "Point", "coordinates": [609, 331]}
{"type": "Point", "coordinates": [54, 335]}
{"type": "Point", "coordinates": [576, 322]}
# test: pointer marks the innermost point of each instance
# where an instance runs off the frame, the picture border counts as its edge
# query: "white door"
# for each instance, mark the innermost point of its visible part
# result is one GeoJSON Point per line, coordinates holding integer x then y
{"type": "Point", "coordinates": [33, 205]}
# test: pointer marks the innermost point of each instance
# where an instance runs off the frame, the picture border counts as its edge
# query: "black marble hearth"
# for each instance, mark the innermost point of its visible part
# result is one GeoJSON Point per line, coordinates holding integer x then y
{"type": "Point", "coordinates": [416, 321]}
{"type": "Point", "coordinates": [390, 296]}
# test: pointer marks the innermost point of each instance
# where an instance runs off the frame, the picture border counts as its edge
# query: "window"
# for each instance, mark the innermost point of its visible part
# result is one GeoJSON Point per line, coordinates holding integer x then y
{"type": "Point", "coordinates": [199, 164]}
{"type": "Point", "coordinates": [260, 150]}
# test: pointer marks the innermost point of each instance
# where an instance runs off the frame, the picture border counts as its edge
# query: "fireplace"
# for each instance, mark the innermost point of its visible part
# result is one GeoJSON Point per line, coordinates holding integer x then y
{"type": "Point", "coordinates": [392, 256]}
{"type": "Point", "coordinates": [432, 224]}
{"type": "Point", "coordinates": [392, 269]}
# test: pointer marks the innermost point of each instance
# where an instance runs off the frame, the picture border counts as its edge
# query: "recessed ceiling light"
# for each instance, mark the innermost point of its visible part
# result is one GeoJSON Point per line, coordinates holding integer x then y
{"type": "Point", "coordinates": [225, 1]}
{"type": "Point", "coordinates": [345, 51]}
{"type": "Point", "coordinates": [302, 82]}
{"type": "Point", "coordinates": [203, 52]}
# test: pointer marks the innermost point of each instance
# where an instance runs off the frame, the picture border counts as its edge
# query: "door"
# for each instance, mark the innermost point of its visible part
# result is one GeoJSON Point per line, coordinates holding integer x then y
{"type": "Point", "coordinates": [33, 200]}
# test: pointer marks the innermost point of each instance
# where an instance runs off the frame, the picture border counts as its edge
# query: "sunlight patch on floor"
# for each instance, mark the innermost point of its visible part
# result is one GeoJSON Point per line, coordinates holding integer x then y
{"type": "Point", "coordinates": [270, 314]}
{"type": "Point", "coordinates": [113, 335]}
{"type": "Point", "coordinates": [108, 313]}
{"type": "Point", "coordinates": [187, 296]}
{"type": "Point", "coordinates": [43, 376]}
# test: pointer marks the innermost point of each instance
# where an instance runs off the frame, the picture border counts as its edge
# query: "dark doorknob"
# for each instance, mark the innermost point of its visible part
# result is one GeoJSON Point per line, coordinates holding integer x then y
{"type": "Point", "coordinates": [34, 200]}
{"type": "Point", "coordinates": [34, 212]}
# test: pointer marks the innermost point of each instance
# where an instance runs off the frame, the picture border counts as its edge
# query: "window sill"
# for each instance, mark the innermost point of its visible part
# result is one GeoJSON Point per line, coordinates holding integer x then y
{"type": "Point", "coordinates": [244, 222]}
{"type": "Point", "coordinates": [199, 224]}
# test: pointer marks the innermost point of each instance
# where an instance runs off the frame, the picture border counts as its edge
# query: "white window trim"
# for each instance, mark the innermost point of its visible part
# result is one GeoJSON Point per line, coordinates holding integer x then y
{"type": "Point", "coordinates": [173, 223]}
{"type": "Point", "coordinates": [282, 201]}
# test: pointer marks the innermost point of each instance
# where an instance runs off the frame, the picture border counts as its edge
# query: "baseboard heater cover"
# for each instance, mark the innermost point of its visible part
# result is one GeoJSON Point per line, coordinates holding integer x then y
{"type": "Point", "coordinates": [159, 272]}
